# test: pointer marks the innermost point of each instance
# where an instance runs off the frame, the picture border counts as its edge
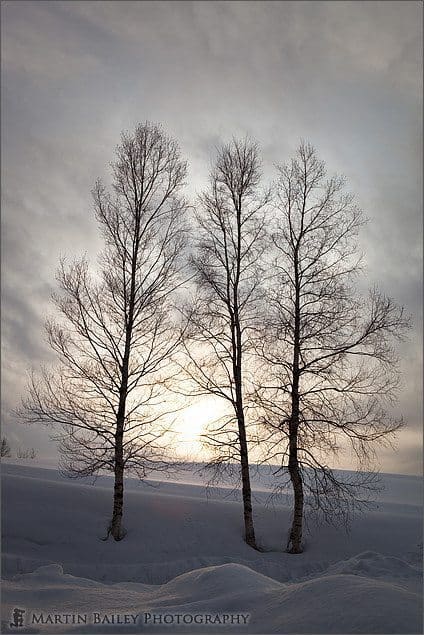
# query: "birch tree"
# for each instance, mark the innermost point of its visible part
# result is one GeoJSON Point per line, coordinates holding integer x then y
{"type": "Point", "coordinates": [115, 332]}
{"type": "Point", "coordinates": [222, 321]}
{"type": "Point", "coordinates": [5, 450]}
{"type": "Point", "coordinates": [330, 364]}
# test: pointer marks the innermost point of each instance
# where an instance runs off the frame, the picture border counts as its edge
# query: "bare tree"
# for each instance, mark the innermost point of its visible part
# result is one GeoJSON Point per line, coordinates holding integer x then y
{"type": "Point", "coordinates": [26, 453]}
{"type": "Point", "coordinates": [230, 227]}
{"type": "Point", "coordinates": [5, 450]}
{"type": "Point", "coordinates": [116, 331]}
{"type": "Point", "coordinates": [329, 362]}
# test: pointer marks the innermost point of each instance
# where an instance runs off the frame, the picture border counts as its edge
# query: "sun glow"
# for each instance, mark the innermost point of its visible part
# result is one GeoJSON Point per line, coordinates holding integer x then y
{"type": "Point", "coordinates": [192, 422]}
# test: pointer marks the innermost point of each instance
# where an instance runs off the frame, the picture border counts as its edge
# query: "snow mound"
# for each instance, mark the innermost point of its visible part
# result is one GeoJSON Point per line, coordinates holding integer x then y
{"type": "Point", "coordinates": [333, 603]}
{"type": "Point", "coordinates": [376, 565]}
{"type": "Point", "coordinates": [52, 575]}
{"type": "Point", "coordinates": [220, 581]}
{"type": "Point", "coordinates": [345, 604]}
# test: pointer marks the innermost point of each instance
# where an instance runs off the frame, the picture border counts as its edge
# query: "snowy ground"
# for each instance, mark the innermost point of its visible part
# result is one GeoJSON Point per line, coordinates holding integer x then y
{"type": "Point", "coordinates": [184, 556]}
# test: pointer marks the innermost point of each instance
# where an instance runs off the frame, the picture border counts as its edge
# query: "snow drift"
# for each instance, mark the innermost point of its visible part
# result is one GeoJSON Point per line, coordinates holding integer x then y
{"type": "Point", "coordinates": [184, 556]}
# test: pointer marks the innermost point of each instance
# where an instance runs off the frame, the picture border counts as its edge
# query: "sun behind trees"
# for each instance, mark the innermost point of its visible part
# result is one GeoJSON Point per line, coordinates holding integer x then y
{"type": "Point", "coordinates": [115, 335]}
{"type": "Point", "coordinates": [329, 366]}
{"type": "Point", "coordinates": [277, 328]}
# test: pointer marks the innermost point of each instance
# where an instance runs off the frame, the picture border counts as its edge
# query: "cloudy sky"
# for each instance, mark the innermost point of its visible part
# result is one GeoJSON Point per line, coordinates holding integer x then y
{"type": "Point", "coordinates": [344, 75]}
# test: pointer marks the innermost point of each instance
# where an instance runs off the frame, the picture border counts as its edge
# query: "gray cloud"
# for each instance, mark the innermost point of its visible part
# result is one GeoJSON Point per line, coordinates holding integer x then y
{"type": "Point", "coordinates": [344, 75]}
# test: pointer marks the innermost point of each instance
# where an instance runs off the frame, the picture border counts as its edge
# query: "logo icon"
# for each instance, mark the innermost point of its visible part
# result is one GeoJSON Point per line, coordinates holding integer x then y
{"type": "Point", "coordinates": [18, 618]}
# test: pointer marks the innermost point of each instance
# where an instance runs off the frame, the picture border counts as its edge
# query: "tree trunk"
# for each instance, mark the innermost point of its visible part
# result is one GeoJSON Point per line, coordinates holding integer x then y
{"type": "Point", "coordinates": [115, 527]}
{"type": "Point", "coordinates": [118, 491]}
{"type": "Point", "coordinates": [294, 544]}
{"type": "Point", "coordinates": [249, 531]}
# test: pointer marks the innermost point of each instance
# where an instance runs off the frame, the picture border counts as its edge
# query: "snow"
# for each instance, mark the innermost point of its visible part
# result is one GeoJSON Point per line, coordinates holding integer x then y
{"type": "Point", "coordinates": [184, 555]}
